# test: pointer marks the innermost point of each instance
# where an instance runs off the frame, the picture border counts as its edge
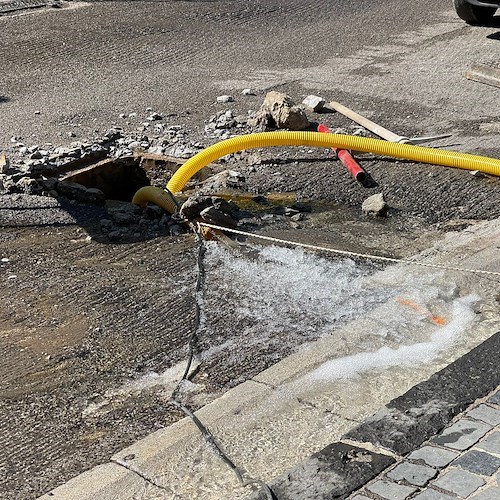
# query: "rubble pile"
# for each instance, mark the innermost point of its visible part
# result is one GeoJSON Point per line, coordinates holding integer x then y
{"type": "Point", "coordinates": [47, 170]}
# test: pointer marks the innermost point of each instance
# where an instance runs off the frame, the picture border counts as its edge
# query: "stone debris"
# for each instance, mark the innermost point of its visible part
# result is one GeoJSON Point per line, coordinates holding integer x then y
{"type": "Point", "coordinates": [248, 92]}
{"type": "Point", "coordinates": [279, 111]}
{"type": "Point", "coordinates": [211, 209]}
{"type": "Point", "coordinates": [4, 163]}
{"type": "Point", "coordinates": [314, 103]}
{"type": "Point", "coordinates": [79, 192]}
{"type": "Point", "coordinates": [478, 174]}
{"type": "Point", "coordinates": [225, 98]}
{"type": "Point", "coordinates": [375, 205]}
{"type": "Point", "coordinates": [223, 181]}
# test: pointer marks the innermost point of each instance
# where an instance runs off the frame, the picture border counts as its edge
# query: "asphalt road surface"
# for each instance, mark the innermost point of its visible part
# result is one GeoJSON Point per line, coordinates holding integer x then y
{"type": "Point", "coordinates": [75, 69]}
{"type": "Point", "coordinates": [85, 64]}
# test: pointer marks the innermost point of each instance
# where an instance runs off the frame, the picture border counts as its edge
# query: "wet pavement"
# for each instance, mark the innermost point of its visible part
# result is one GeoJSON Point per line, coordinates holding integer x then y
{"type": "Point", "coordinates": [326, 391]}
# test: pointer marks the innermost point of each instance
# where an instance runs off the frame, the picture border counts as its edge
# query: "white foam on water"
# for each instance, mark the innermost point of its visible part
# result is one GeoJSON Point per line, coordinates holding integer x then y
{"type": "Point", "coordinates": [166, 380]}
{"type": "Point", "coordinates": [282, 290]}
{"type": "Point", "coordinates": [442, 338]}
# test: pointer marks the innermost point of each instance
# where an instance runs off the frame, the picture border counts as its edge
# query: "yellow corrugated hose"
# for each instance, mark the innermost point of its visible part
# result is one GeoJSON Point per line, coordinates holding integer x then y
{"type": "Point", "coordinates": [311, 139]}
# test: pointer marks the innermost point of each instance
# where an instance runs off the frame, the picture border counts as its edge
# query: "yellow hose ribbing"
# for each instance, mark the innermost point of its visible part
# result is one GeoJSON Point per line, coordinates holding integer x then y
{"type": "Point", "coordinates": [154, 195]}
{"type": "Point", "coordinates": [316, 139]}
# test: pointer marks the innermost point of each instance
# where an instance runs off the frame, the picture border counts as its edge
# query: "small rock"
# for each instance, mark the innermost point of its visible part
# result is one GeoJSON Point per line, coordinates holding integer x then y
{"type": "Point", "coordinates": [314, 103]}
{"type": "Point", "coordinates": [4, 163]}
{"type": "Point", "coordinates": [106, 224]}
{"type": "Point", "coordinates": [95, 196]}
{"type": "Point", "coordinates": [37, 112]}
{"type": "Point", "coordinates": [478, 174]}
{"type": "Point", "coordinates": [28, 185]}
{"type": "Point", "coordinates": [134, 145]}
{"type": "Point", "coordinates": [214, 216]}
{"type": "Point", "coordinates": [278, 110]}
{"type": "Point", "coordinates": [302, 207]}
{"type": "Point", "coordinates": [375, 205]}
{"type": "Point", "coordinates": [192, 207]}
{"type": "Point", "coordinates": [247, 92]}
{"type": "Point", "coordinates": [227, 179]}
{"type": "Point", "coordinates": [4, 260]}
{"type": "Point", "coordinates": [297, 217]}
{"type": "Point", "coordinates": [49, 183]}
{"type": "Point", "coordinates": [225, 98]}
{"type": "Point", "coordinates": [175, 230]}
{"type": "Point", "coordinates": [154, 117]}
{"type": "Point", "coordinates": [36, 155]}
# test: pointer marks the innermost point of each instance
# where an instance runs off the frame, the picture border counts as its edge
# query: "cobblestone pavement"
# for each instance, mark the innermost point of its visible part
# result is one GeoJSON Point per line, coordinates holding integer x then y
{"type": "Point", "coordinates": [463, 461]}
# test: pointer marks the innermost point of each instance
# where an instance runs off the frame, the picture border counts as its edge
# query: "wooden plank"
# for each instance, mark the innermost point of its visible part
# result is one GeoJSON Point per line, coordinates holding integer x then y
{"type": "Point", "coordinates": [487, 73]}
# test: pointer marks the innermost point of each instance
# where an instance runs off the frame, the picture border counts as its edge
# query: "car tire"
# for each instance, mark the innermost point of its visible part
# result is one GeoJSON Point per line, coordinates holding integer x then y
{"type": "Point", "coordinates": [473, 14]}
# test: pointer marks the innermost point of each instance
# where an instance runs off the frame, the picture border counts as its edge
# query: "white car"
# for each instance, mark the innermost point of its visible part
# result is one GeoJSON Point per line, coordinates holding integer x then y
{"type": "Point", "coordinates": [476, 11]}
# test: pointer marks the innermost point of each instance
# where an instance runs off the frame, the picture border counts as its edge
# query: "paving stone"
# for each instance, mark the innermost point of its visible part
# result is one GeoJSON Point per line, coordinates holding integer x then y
{"type": "Point", "coordinates": [479, 462]}
{"type": "Point", "coordinates": [492, 493]}
{"type": "Point", "coordinates": [462, 434]}
{"type": "Point", "coordinates": [495, 399]}
{"type": "Point", "coordinates": [433, 456]}
{"type": "Point", "coordinates": [336, 471]}
{"type": "Point", "coordinates": [491, 443]}
{"type": "Point", "coordinates": [391, 491]}
{"type": "Point", "coordinates": [486, 414]}
{"type": "Point", "coordinates": [430, 494]}
{"type": "Point", "coordinates": [460, 482]}
{"type": "Point", "coordinates": [418, 475]}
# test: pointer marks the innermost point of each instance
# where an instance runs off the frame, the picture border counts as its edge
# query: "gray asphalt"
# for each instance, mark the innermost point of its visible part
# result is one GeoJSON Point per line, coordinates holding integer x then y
{"type": "Point", "coordinates": [84, 65]}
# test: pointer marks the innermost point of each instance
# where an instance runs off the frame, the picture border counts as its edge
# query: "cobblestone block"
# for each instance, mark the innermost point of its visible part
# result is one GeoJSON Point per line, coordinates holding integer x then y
{"type": "Point", "coordinates": [495, 399]}
{"type": "Point", "coordinates": [479, 462]}
{"type": "Point", "coordinates": [462, 434]}
{"type": "Point", "coordinates": [491, 443]}
{"type": "Point", "coordinates": [488, 494]}
{"type": "Point", "coordinates": [433, 456]}
{"type": "Point", "coordinates": [418, 475]}
{"type": "Point", "coordinates": [430, 494]}
{"type": "Point", "coordinates": [486, 414]}
{"type": "Point", "coordinates": [460, 482]}
{"type": "Point", "coordinates": [391, 491]}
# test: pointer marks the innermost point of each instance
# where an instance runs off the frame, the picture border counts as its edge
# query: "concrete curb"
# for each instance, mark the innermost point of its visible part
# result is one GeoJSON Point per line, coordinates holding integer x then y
{"type": "Point", "coordinates": [400, 427]}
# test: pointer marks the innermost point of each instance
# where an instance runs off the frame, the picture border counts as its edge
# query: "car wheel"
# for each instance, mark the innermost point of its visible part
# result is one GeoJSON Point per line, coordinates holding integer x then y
{"type": "Point", "coordinates": [473, 14]}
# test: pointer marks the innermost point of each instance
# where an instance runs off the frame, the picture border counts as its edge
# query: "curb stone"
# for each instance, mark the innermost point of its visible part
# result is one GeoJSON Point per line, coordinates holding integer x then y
{"type": "Point", "coordinates": [398, 428]}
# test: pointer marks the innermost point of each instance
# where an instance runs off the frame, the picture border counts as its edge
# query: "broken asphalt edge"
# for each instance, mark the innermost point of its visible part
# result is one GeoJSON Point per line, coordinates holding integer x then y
{"type": "Point", "coordinates": [401, 426]}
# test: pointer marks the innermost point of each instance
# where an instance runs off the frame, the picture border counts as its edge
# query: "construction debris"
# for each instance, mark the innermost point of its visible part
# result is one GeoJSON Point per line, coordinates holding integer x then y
{"type": "Point", "coordinates": [4, 163]}
{"type": "Point", "coordinates": [279, 111]}
{"type": "Point", "coordinates": [314, 103]}
{"type": "Point", "coordinates": [225, 98]}
{"type": "Point", "coordinates": [375, 205]}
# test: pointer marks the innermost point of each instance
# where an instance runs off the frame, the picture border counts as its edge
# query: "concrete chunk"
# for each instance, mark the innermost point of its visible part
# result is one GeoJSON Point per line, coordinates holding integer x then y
{"type": "Point", "coordinates": [314, 103]}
